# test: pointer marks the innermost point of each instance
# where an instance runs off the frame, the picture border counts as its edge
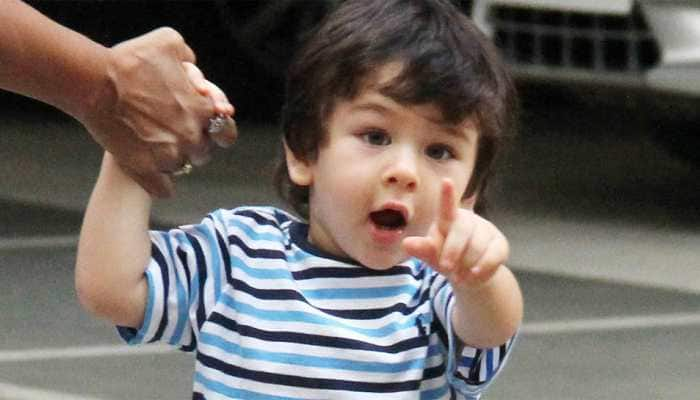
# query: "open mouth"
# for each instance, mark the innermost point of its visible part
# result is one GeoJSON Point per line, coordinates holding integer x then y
{"type": "Point", "coordinates": [388, 219]}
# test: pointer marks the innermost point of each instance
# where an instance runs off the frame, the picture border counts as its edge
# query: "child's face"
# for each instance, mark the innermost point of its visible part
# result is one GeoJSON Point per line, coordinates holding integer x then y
{"type": "Point", "coordinates": [378, 175]}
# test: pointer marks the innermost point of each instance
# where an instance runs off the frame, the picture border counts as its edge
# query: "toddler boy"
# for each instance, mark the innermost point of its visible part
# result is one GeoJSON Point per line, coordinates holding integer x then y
{"type": "Point", "coordinates": [388, 285]}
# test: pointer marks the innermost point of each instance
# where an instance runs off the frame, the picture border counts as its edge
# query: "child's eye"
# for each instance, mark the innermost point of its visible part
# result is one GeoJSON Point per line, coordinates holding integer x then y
{"type": "Point", "coordinates": [439, 152]}
{"type": "Point", "coordinates": [376, 138]}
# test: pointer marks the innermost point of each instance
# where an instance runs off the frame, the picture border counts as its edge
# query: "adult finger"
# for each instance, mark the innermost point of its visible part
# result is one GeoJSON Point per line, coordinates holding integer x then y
{"type": "Point", "coordinates": [197, 147]}
{"type": "Point", "coordinates": [198, 151]}
{"type": "Point", "coordinates": [174, 40]}
{"type": "Point", "coordinates": [221, 104]}
{"type": "Point", "coordinates": [167, 157]}
{"type": "Point", "coordinates": [186, 53]}
{"type": "Point", "coordinates": [200, 154]}
{"type": "Point", "coordinates": [196, 78]}
{"type": "Point", "coordinates": [157, 184]}
{"type": "Point", "coordinates": [227, 135]}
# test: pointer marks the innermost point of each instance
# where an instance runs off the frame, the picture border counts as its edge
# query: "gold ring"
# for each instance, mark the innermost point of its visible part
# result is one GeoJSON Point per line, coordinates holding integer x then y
{"type": "Point", "coordinates": [184, 170]}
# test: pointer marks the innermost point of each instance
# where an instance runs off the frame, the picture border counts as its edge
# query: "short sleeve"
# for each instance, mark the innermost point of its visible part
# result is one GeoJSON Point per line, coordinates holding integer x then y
{"type": "Point", "coordinates": [470, 370]}
{"type": "Point", "coordinates": [186, 274]}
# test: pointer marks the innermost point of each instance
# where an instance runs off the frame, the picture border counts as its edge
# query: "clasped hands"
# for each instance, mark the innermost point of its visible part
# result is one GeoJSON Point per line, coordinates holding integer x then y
{"type": "Point", "coordinates": [152, 111]}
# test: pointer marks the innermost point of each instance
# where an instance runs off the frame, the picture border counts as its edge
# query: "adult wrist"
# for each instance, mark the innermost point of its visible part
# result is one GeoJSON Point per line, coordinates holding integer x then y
{"type": "Point", "coordinates": [98, 92]}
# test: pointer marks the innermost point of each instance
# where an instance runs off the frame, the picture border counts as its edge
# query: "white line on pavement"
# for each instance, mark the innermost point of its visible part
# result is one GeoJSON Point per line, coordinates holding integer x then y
{"type": "Point", "coordinates": [39, 242]}
{"type": "Point", "coordinates": [82, 352]}
{"type": "Point", "coordinates": [14, 392]}
{"type": "Point", "coordinates": [614, 323]}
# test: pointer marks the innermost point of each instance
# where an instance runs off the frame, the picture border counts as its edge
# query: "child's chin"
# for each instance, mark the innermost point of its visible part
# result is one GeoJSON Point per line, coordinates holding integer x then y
{"type": "Point", "coordinates": [382, 263]}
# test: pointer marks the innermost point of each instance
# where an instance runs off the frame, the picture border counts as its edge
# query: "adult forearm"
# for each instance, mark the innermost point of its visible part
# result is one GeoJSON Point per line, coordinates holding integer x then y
{"type": "Point", "coordinates": [114, 248]}
{"type": "Point", "coordinates": [489, 314]}
{"type": "Point", "coordinates": [40, 58]}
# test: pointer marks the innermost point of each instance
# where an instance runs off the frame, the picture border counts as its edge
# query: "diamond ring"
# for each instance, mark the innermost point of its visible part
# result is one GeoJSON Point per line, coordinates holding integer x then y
{"type": "Point", "coordinates": [216, 124]}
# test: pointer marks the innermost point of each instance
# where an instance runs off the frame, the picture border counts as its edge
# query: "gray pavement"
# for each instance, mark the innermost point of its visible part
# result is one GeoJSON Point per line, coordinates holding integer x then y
{"type": "Point", "coordinates": [605, 231]}
{"type": "Point", "coordinates": [49, 343]}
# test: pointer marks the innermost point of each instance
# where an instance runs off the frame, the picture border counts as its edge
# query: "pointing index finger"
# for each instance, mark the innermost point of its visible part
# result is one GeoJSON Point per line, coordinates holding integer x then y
{"type": "Point", "coordinates": [448, 206]}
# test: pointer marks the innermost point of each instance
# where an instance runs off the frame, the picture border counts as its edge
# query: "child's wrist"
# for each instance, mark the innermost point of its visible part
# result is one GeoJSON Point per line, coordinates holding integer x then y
{"type": "Point", "coordinates": [115, 177]}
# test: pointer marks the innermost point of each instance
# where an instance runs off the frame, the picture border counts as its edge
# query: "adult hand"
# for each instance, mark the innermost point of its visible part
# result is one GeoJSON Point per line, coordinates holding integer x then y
{"type": "Point", "coordinates": [227, 134]}
{"type": "Point", "coordinates": [460, 244]}
{"type": "Point", "coordinates": [149, 115]}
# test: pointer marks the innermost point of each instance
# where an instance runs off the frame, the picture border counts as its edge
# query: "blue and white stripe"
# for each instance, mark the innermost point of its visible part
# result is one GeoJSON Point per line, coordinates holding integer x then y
{"type": "Point", "coordinates": [272, 319]}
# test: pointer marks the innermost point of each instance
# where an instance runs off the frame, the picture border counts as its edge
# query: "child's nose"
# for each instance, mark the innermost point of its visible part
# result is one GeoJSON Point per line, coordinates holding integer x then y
{"type": "Point", "coordinates": [402, 172]}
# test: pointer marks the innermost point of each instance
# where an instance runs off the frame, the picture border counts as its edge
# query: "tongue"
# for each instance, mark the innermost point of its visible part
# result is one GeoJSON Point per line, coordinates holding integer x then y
{"type": "Point", "coordinates": [388, 219]}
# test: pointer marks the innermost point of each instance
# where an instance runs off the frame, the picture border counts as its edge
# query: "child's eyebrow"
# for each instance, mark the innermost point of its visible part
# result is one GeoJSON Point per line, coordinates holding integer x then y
{"type": "Point", "coordinates": [372, 107]}
{"type": "Point", "coordinates": [459, 131]}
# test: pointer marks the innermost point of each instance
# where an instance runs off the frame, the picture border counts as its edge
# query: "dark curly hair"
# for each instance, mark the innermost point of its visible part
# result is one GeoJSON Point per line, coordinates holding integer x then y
{"type": "Point", "coordinates": [446, 61]}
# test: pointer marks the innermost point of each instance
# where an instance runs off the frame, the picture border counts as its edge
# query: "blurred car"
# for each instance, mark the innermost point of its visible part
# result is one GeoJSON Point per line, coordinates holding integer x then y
{"type": "Point", "coordinates": [653, 44]}
{"type": "Point", "coordinates": [649, 49]}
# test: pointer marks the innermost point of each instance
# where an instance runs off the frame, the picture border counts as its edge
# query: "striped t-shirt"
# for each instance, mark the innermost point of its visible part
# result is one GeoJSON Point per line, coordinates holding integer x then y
{"type": "Point", "coordinates": [272, 317]}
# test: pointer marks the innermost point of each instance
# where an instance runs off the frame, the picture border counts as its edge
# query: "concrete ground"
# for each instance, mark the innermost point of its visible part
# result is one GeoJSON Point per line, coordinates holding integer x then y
{"type": "Point", "coordinates": [604, 227]}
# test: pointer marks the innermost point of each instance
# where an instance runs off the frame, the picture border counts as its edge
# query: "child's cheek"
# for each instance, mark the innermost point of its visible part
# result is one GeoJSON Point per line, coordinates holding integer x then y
{"type": "Point", "coordinates": [426, 214]}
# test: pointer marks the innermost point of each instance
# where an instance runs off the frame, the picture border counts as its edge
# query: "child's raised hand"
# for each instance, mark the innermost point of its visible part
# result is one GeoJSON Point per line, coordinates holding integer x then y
{"type": "Point", "coordinates": [461, 245]}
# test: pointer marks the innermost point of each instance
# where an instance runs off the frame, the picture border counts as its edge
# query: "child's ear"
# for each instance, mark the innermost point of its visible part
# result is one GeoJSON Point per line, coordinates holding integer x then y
{"type": "Point", "coordinates": [299, 171]}
{"type": "Point", "coordinates": [469, 202]}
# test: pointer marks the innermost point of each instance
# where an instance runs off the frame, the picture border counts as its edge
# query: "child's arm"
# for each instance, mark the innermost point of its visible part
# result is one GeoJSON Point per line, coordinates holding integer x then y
{"type": "Point", "coordinates": [114, 248]}
{"type": "Point", "coordinates": [471, 252]}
